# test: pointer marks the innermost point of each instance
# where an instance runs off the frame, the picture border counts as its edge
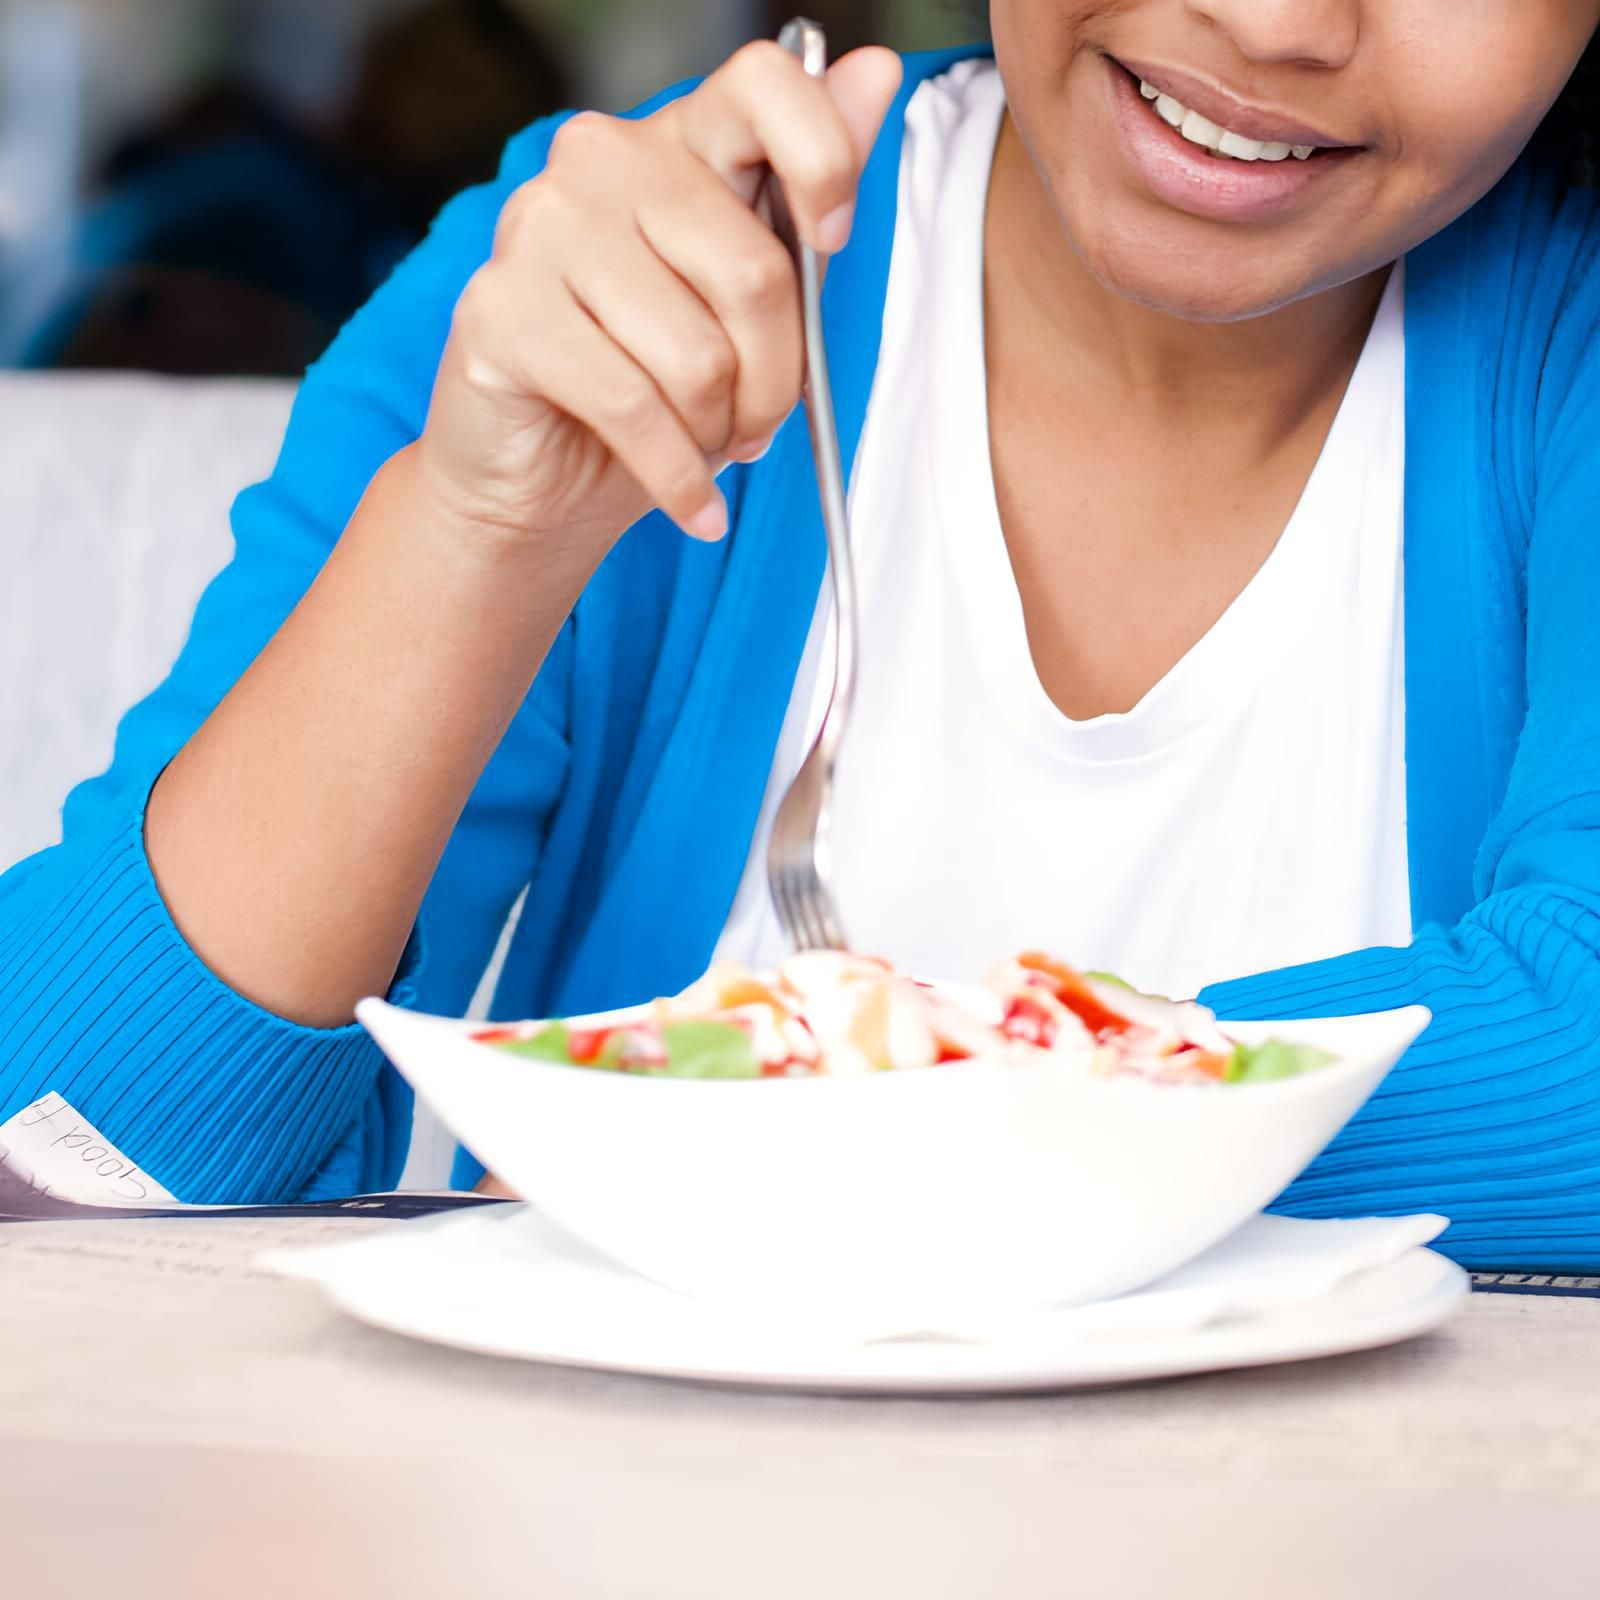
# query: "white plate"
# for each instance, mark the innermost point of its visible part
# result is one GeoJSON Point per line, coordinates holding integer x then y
{"type": "Point", "coordinates": [505, 1281]}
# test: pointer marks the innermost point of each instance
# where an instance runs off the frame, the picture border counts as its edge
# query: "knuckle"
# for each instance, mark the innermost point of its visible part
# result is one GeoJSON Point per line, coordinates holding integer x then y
{"type": "Point", "coordinates": [581, 135]}
{"type": "Point", "coordinates": [625, 405]}
{"type": "Point", "coordinates": [756, 60]}
{"type": "Point", "coordinates": [526, 214]}
{"type": "Point", "coordinates": [761, 280]}
{"type": "Point", "coordinates": [481, 359]}
{"type": "Point", "coordinates": [708, 368]}
{"type": "Point", "coordinates": [484, 376]}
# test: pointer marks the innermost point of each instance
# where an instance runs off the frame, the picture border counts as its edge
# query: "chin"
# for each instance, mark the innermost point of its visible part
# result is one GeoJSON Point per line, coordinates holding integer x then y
{"type": "Point", "coordinates": [1231, 287]}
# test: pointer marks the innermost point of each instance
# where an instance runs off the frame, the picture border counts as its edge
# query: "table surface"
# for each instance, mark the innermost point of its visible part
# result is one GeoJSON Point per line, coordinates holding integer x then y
{"type": "Point", "coordinates": [175, 1424]}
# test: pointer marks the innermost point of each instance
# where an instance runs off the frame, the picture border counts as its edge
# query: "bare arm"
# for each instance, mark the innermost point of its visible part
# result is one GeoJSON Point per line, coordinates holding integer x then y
{"type": "Point", "coordinates": [295, 835]}
{"type": "Point", "coordinates": [636, 330]}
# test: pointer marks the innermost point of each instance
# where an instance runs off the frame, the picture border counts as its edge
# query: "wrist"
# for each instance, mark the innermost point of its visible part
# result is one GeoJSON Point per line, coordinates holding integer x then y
{"type": "Point", "coordinates": [476, 531]}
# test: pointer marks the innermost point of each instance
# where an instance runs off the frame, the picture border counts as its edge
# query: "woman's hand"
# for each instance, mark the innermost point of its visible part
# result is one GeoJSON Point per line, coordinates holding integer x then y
{"type": "Point", "coordinates": [638, 326]}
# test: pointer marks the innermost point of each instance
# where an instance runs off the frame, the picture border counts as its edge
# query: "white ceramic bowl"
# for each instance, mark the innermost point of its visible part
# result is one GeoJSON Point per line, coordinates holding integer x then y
{"type": "Point", "coordinates": [910, 1195]}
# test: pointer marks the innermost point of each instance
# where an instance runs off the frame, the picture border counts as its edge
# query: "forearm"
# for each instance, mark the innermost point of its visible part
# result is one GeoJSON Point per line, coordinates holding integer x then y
{"type": "Point", "coordinates": [294, 837]}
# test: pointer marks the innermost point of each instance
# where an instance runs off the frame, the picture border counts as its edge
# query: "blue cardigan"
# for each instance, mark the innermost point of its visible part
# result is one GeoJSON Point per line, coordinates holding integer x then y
{"type": "Point", "coordinates": [625, 794]}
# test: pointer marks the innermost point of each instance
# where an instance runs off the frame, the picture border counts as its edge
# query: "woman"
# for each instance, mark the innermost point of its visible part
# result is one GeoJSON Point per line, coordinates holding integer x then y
{"type": "Point", "coordinates": [1173, 316]}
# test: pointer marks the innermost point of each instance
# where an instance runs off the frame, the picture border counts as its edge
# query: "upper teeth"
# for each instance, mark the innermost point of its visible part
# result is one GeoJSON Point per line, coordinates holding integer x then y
{"type": "Point", "coordinates": [1222, 141]}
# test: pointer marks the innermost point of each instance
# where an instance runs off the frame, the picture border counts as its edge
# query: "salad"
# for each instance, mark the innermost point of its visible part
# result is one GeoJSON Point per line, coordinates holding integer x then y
{"type": "Point", "coordinates": [828, 1014]}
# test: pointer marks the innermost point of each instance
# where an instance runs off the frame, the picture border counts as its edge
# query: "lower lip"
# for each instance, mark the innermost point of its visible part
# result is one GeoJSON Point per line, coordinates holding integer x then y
{"type": "Point", "coordinates": [1188, 179]}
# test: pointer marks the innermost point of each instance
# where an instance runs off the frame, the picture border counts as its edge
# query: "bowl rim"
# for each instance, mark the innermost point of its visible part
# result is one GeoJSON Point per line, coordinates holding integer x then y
{"type": "Point", "coordinates": [1308, 1084]}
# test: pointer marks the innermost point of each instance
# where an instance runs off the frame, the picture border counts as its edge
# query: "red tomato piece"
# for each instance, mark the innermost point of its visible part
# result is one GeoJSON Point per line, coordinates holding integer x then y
{"type": "Point", "coordinates": [1070, 989]}
{"type": "Point", "coordinates": [585, 1044]}
{"type": "Point", "coordinates": [1028, 1021]}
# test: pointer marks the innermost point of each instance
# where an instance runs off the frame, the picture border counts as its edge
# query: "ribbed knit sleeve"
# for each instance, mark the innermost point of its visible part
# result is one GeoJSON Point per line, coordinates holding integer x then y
{"type": "Point", "coordinates": [1493, 1118]}
{"type": "Point", "coordinates": [107, 1006]}
{"type": "Point", "coordinates": [101, 999]}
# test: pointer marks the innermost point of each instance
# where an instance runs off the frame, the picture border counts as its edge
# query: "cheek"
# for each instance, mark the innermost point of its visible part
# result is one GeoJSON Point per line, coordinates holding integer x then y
{"type": "Point", "coordinates": [1035, 39]}
{"type": "Point", "coordinates": [1468, 100]}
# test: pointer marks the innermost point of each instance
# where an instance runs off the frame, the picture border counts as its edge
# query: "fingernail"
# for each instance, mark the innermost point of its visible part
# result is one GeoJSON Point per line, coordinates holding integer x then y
{"type": "Point", "coordinates": [710, 522]}
{"type": "Point", "coordinates": [834, 232]}
{"type": "Point", "coordinates": [747, 454]}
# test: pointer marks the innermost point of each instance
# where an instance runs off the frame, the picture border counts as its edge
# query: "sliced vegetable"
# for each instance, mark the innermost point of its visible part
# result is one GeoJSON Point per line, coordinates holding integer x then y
{"type": "Point", "coordinates": [1069, 988]}
{"type": "Point", "coordinates": [550, 1044]}
{"type": "Point", "coordinates": [1111, 981]}
{"type": "Point", "coordinates": [709, 1050]}
{"type": "Point", "coordinates": [1027, 1020]}
{"type": "Point", "coordinates": [830, 1014]}
{"type": "Point", "coordinates": [1273, 1061]}
{"type": "Point", "coordinates": [585, 1045]}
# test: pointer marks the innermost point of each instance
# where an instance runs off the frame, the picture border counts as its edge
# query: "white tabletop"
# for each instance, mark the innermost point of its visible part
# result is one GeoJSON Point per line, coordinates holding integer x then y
{"type": "Point", "coordinates": [173, 1425]}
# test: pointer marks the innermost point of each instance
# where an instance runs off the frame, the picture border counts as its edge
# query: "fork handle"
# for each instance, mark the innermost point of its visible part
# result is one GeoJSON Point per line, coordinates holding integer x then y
{"type": "Point", "coordinates": [808, 42]}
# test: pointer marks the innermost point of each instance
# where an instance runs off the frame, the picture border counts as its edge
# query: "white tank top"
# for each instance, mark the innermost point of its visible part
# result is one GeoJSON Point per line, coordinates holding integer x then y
{"type": "Point", "coordinates": [1247, 814]}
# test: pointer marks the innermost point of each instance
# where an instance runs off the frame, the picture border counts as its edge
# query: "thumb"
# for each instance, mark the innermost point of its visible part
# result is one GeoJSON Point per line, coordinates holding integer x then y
{"type": "Point", "coordinates": [863, 85]}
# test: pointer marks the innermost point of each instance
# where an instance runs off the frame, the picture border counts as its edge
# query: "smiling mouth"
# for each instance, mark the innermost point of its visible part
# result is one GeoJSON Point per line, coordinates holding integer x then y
{"type": "Point", "coordinates": [1203, 151]}
{"type": "Point", "coordinates": [1216, 140]}
{"type": "Point", "coordinates": [1257, 141]}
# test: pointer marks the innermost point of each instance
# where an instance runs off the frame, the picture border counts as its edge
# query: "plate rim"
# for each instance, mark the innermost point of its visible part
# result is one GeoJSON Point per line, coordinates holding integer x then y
{"type": "Point", "coordinates": [1277, 1339]}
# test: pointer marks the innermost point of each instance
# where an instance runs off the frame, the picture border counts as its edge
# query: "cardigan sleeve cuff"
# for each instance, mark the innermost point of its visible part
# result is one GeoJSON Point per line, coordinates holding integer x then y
{"type": "Point", "coordinates": [1493, 1116]}
{"type": "Point", "coordinates": [103, 1001]}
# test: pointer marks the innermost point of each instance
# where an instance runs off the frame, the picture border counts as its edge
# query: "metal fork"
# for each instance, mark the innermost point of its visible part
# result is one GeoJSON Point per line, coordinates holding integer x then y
{"type": "Point", "coordinates": [799, 858]}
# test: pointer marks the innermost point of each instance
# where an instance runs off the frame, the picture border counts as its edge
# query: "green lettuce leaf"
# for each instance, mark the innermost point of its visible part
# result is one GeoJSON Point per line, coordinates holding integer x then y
{"type": "Point", "coordinates": [611, 1057]}
{"type": "Point", "coordinates": [708, 1050]}
{"type": "Point", "coordinates": [551, 1044]}
{"type": "Point", "coordinates": [1275, 1060]}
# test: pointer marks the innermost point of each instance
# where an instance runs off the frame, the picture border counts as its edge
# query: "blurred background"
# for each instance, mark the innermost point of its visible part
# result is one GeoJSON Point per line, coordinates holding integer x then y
{"type": "Point", "coordinates": [211, 187]}
{"type": "Point", "coordinates": [194, 196]}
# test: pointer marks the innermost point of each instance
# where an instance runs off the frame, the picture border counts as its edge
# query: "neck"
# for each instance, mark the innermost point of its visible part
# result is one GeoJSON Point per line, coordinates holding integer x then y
{"type": "Point", "coordinates": [1264, 377]}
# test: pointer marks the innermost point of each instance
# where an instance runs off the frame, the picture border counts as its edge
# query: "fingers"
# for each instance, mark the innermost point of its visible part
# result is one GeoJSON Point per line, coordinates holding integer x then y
{"type": "Point", "coordinates": [736, 266]}
{"type": "Point", "coordinates": [763, 110]}
{"type": "Point", "coordinates": [568, 360]}
{"type": "Point", "coordinates": [863, 85]}
{"type": "Point", "coordinates": [668, 330]}
{"type": "Point", "coordinates": [639, 326]}
{"type": "Point", "coordinates": [677, 268]}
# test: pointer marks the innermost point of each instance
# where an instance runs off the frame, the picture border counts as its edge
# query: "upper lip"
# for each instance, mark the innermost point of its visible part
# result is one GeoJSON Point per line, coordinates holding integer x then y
{"type": "Point", "coordinates": [1227, 110]}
